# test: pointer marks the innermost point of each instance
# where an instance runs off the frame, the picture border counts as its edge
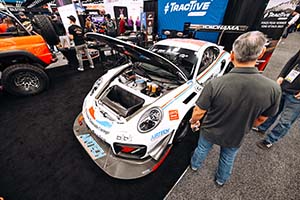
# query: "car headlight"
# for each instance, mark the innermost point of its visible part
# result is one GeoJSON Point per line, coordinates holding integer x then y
{"type": "Point", "coordinates": [150, 119]}
{"type": "Point", "coordinates": [96, 85]}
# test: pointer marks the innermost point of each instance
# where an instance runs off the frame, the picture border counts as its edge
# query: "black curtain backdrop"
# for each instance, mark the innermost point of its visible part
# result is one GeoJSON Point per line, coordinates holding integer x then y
{"type": "Point", "coordinates": [152, 6]}
{"type": "Point", "coordinates": [241, 12]}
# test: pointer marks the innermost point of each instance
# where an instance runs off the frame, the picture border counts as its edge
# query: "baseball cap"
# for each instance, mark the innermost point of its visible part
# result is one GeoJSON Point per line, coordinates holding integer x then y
{"type": "Point", "coordinates": [72, 18]}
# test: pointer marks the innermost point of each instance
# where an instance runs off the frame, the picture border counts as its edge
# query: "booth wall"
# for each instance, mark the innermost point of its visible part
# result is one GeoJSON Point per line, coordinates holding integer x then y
{"type": "Point", "coordinates": [173, 14]}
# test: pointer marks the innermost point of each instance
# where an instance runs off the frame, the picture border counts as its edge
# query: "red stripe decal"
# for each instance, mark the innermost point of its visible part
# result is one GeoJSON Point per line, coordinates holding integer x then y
{"type": "Point", "coordinates": [155, 167]}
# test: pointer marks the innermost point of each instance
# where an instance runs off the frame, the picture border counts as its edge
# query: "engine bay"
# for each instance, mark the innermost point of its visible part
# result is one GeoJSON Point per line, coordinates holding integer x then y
{"type": "Point", "coordinates": [144, 83]}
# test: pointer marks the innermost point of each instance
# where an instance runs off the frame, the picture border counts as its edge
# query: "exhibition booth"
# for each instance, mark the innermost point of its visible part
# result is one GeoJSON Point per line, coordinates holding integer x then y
{"type": "Point", "coordinates": [119, 130]}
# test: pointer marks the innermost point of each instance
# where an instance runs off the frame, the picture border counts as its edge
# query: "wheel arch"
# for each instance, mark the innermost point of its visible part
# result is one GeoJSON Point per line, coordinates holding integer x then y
{"type": "Point", "coordinates": [17, 56]}
{"type": "Point", "coordinates": [183, 127]}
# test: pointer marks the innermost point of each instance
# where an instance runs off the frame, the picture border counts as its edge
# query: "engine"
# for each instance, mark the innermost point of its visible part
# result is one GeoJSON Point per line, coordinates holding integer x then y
{"type": "Point", "coordinates": [141, 84]}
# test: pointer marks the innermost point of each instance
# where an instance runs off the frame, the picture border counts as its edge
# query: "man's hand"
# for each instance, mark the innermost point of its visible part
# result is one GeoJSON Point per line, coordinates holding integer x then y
{"type": "Point", "coordinates": [195, 126]}
{"type": "Point", "coordinates": [297, 96]}
{"type": "Point", "coordinates": [279, 80]}
{"type": "Point", "coordinates": [261, 119]}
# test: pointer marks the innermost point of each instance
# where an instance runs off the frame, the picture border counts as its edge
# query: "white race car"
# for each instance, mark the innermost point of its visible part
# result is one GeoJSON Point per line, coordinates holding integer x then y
{"type": "Point", "coordinates": [136, 112]}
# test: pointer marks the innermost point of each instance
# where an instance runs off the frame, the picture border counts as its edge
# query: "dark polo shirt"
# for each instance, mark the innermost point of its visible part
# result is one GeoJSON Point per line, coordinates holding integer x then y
{"type": "Point", "coordinates": [233, 102]}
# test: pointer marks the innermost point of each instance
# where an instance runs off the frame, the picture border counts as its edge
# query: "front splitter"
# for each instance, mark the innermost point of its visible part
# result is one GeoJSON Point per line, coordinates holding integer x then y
{"type": "Point", "coordinates": [101, 153]}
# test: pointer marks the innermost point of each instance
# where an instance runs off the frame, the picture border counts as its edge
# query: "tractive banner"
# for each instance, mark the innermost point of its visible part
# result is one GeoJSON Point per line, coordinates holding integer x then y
{"type": "Point", "coordinates": [172, 14]}
{"type": "Point", "coordinates": [272, 25]}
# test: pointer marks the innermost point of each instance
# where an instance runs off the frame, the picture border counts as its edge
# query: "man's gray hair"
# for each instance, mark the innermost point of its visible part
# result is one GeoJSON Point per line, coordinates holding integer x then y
{"type": "Point", "coordinates": [248, 46]}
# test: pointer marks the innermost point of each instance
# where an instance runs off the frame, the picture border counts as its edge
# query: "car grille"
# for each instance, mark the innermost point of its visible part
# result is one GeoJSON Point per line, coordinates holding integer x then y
{"type": "Point", "coordinates": [130, 151]}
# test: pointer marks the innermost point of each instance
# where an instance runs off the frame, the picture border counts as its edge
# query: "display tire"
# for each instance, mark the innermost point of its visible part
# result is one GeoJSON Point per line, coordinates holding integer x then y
{"type": "Point", "coordinates": [46, 29]}
{"type": "Point", "coordinates": [24, 79]}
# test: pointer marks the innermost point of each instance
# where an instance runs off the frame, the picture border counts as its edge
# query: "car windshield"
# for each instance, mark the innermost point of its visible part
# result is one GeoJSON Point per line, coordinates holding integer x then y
{"type": "Point", "coordinates": [185, 59]}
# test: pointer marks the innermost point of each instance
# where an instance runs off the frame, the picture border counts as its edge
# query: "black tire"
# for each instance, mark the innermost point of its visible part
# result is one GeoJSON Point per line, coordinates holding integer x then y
{"type": "Point", "coordinates": [24, 79]}
{"type": "Point", "coordinates": [183, 129]}
{"type": "Point", "coordinates": [46, 29]}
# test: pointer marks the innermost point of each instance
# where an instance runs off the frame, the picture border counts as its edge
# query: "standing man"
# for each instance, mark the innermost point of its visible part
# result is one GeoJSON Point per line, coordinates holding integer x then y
{"type": "Point", "coordinates": [25, 21]}
{"type": "Point", "coordinates": [76, 34]}
{"type": "Point", "coordinates": [289, 109]}
{"type": "Point", "coordinates": [110, 26]}
{"type": "Point", "coordinates": [230, 105]}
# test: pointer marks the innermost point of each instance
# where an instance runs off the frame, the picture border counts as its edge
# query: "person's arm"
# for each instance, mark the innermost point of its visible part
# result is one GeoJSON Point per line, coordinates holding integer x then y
{"type": "Point", "coordinates": [293, 20]}
{"type": "Point", "coordinates": [202, 105]}
{"type": "Point", "coordinates": [261, 119]}
{"type": "Point", "coordinates": [71, 36]}
{"type": "Point", "coordinates": [197, 115]}
{"type": "Point", "coordinates": [297, 96]}
{"type": "Point", "coordinates": [288, 65]}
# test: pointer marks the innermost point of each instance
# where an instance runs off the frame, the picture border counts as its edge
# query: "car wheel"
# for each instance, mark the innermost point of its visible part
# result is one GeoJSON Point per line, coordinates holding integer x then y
{"type": "Point", "coordinates": [46, 29]}
{"type": "Point", "coordinates": [24, 79]}
{"type": "Point", "coordinates": [182, 131]}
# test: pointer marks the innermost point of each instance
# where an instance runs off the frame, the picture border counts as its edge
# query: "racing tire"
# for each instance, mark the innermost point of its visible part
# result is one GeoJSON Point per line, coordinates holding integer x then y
{"type": "Point", "coordinates": [24, 79]}
{"type": "Point", "coordinates": [182, 131]}
{"type": "Point", "coordinates": [46, 29]}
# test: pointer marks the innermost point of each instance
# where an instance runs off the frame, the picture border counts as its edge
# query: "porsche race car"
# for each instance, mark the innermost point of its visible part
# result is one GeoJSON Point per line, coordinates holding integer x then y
{"type": "Point", "coordinates": [136, 112]}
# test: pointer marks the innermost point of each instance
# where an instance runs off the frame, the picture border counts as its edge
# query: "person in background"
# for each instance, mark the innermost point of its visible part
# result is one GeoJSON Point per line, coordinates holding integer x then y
{"type": "Point", "coordinates": [25, 21]}
{"type": "Point", "coordinates": [291, 25]}
{"type": "Point", "coordinates": [89, 26]}
{"type": "Point", "coordinates": [110, 26]}
{"type": "Point", "coordinates": [122, 25]}
{"type": "Point", "coordinates": [76, 34]}
{"type": "Point", "coordinates": [231, 104]}
{"type": "Point", "coordinates": [3, 25]}
{"type": "Point", "coordinates": [130, 23]}
{"type": "Point", "coordinates": [138, 24]}
{"type": "Point", "coordinates": [289, 109]}
{"type": "Point", "coordinates": [10, 25]}
{"type": "Point", "coordinates": [60, 31]}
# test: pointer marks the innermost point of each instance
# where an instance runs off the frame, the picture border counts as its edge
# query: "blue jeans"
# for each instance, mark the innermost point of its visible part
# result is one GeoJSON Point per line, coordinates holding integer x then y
{"type": "Point", "coordinates": [226, 159]}
{"type": "Point", "coordinates": [289, 111]}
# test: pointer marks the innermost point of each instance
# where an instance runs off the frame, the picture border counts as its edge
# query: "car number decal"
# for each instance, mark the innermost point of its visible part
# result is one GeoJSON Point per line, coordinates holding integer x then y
{"type": "Point", "coordinates": [91, 146]}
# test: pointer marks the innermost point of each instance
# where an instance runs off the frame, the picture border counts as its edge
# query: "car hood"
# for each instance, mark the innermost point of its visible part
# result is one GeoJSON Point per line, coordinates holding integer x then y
{"type": "Point", "coordinates": [138, 54]}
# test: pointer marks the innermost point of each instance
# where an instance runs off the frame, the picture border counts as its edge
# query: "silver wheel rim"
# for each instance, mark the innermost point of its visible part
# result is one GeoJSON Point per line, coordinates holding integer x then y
{"type": "Point", "coordinates": [27, 81]}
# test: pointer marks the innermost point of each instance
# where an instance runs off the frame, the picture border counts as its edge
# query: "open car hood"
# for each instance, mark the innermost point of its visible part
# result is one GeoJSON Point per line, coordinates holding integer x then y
{"type": "Point", "coordinates": [138, 54]}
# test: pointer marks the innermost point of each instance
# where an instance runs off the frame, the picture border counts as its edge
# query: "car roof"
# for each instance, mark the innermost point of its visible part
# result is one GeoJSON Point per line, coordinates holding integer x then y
{"type": "Point", "coordinates": [192, 44]}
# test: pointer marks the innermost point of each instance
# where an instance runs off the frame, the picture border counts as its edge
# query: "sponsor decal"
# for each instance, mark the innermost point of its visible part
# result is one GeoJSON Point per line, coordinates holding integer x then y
{"type": "Point", "coordinates": [159, 134]}
{"type": "Point", "coordinates": [219, 27]}
{"type": "Point", "coordinates": [91, 146]}
{"type": "Point", "coordinates": [96, 126]}
{"type": "Point", "coordinates": [194, 8]}
{"type": "Point", "coordinates": [173, 115]}
{"type": "Point", "coordinates": [105, 124]}
{"type": "Point", "coordinates": [124, 138]}
{"type": "Point", "coordinates": [276, 14]}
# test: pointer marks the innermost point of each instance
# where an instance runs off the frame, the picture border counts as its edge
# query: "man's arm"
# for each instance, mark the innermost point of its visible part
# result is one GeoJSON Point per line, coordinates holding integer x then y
{"type": "Point", "coordinates": [288, 65]}
{"type": "Point", "coordinates": [197, 115]}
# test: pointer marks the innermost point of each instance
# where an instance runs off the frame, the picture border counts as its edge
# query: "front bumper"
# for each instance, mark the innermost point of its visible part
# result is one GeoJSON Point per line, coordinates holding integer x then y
{"type": "Point", "coordinates": [103, 156]}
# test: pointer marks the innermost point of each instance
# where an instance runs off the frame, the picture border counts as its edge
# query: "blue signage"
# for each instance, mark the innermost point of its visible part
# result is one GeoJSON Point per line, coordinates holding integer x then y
{"type": "Point", "coordinates": [172, 14]}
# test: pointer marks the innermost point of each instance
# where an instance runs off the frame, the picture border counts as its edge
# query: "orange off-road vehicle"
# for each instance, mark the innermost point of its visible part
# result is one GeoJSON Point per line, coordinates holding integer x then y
{"type": "Point", "coordinates": [23, 57]}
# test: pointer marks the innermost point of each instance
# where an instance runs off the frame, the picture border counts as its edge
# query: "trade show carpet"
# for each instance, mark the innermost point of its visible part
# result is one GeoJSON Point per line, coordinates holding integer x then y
{"type": "Point", "coordinates": [42, 159]}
